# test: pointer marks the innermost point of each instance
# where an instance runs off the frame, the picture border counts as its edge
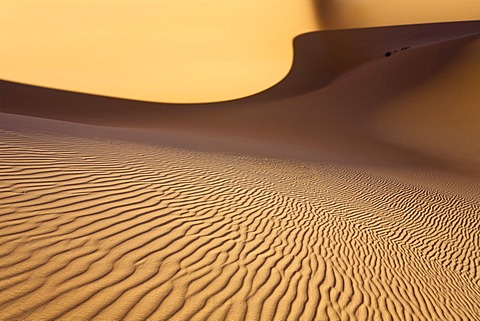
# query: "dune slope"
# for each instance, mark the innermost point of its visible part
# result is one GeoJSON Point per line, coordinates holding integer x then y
{"type": "Point", "coordinates": [328, 102]}
{"type": "Point", "coordinates": [349, 191]}
{"type": "Point", "coordinates": [105, 229]}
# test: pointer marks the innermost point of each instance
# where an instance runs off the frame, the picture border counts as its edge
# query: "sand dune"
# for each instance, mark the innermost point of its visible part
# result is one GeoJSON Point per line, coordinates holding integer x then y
{"type": "Point", "coordinates": [156, 50]}
{"type": "Point", "coordinates": [330, 106]}
{"type": "Point", "coordinates": [349, 191]}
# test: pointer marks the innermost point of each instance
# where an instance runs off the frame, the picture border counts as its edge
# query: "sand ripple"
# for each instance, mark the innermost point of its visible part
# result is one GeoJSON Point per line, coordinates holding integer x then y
{"type": "Point", "coordinates": [98, 229]}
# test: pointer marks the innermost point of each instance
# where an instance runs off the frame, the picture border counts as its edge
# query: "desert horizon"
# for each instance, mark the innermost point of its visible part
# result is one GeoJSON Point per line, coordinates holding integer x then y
{"type": "Point", "coordinates": [315, 160]}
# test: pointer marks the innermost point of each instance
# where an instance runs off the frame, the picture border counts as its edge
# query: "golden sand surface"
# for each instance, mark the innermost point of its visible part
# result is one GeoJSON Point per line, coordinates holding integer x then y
{"type": "Point", "coordinates": [349, 191]}
{"type": "Point", "coordinates": [110, 230]}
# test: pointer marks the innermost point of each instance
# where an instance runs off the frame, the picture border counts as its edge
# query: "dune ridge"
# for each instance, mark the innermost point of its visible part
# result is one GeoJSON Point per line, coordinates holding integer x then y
{"type": "Point", "coordinates": [319, 58]}
{"type": "Point", "coordinates": [349, 191]}
{"type": "Point", "coordinates": [337, 112]}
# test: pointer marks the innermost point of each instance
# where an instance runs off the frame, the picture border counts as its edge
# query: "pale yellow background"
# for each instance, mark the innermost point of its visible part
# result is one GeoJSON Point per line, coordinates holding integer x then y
{"type": "Point", "coordinates": [182, 50]}
{"type": "Point", "coordinates": [367, 13]}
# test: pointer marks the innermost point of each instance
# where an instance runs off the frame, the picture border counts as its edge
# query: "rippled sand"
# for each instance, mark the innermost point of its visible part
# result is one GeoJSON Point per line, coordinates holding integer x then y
{"type": "Point", "coordinates": [352, 193]}
{"type": "Point", "coordinates": [113, 230]}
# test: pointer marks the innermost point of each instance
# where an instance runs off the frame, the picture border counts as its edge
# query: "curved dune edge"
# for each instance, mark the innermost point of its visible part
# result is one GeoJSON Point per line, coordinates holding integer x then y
{"type": "Point", "coordinates": [189, 51]}
{"type": "Point", "coordinates": [321, 56]}
{"type": "Point", "coordinates": [183, 52]}
{"type": "Point", "coordinates": [353, 197]}
{"type": "Point", "coordinates": [326, 109]}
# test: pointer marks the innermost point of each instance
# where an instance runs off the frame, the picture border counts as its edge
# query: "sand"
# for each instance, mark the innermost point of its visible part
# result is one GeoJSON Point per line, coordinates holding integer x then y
{"type": "Point", "coordinates": [349, 191]}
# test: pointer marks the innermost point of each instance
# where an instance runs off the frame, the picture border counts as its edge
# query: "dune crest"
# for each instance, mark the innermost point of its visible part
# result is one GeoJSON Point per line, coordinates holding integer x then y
{"type": "Point", "coordinates": [327, 110]}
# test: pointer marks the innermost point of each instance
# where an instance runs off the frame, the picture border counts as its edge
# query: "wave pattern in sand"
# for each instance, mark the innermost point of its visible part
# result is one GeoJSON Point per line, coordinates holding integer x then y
{"type": "Point", "coordinates": [97, 229]}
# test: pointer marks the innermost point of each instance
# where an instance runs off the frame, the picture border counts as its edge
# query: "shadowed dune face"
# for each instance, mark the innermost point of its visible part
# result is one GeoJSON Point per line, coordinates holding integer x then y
{"type": "Point", "coordinates": [187, 52]}
{"type": "Point", "coordinates": [339, 80]}
{"type": "Point", "coordinates": [342, 14]}
{"type": "Point", "coordinates": [441, 113]}
{"type": "Point", "coordinates": [174, 51]}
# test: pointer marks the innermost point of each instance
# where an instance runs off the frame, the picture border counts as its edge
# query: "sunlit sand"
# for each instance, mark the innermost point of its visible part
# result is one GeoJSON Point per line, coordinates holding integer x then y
{"type": "Point", "coordinates": [349, 190]}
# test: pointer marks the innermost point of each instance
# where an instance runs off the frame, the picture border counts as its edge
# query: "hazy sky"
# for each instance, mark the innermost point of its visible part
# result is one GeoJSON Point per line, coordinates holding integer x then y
{"type": "Point", "coordinates": [182, 50]}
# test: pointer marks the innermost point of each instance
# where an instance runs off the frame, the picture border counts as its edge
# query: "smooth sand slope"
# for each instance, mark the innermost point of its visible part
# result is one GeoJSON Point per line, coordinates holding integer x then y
{"type": "Point", "coordinates": [348, 191]}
